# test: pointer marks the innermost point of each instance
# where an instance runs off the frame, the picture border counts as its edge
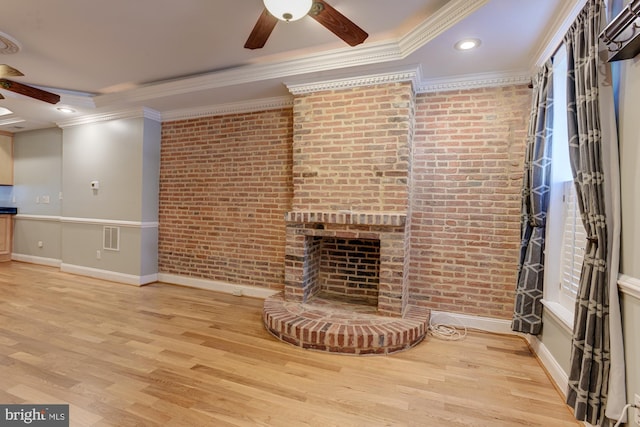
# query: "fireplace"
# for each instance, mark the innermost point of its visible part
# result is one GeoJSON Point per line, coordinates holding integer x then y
{"type": "Point", "coordinates": [346, 285]}
{"type": "Point", "coordinates": [358, 257]}
{"type": "Point", "coordinates": [347, 236]}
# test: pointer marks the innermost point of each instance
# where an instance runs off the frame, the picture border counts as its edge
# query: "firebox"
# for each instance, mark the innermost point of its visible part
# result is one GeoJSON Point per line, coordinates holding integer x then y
{"type": "Point", "coordinates": [358, 258]}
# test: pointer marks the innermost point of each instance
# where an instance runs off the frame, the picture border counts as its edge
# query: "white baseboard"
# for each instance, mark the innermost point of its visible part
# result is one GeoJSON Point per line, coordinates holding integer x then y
{"type": "Point", "coordinates": [128, 279]}
{"type": "Point", "coordinates": [487, 324]}
{"type": "Point", "coordinates": [558, 375]}
{"type": "Point", "coordinates": [49, 262]}
{"type": "Point", "coordinates": [213, 285]}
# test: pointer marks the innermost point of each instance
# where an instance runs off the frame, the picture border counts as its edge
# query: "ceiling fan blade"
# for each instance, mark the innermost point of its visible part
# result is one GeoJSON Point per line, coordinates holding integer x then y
{"type": "Point", "coordinates": [9, 71]}
{"type": "Point", "coordinates": [261, 31]}
{"type": "Point", "coordinates": [30, 91]}
{"type": "Point", "coordinates": [337, 23]}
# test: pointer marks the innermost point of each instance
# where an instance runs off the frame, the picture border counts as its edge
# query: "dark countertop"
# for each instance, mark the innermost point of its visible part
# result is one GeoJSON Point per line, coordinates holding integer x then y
{"type": "Point", "coordinates": [8, 211]}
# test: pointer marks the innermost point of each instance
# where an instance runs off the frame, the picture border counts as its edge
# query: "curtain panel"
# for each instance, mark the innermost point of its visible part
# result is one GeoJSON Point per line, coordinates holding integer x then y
{"type": "Point", "coordinates": [527, 316]}
{"type": "Point", "coordinates": [592, 152]}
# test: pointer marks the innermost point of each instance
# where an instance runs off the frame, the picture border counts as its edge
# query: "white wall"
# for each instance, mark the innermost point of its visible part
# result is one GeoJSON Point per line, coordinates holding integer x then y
{"type": "Point", "coordinates": [629, 135]}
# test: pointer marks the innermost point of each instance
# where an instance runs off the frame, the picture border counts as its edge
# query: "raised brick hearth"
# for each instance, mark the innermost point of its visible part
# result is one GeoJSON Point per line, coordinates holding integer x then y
{"type": "Point", "coordinates": [337, 326]}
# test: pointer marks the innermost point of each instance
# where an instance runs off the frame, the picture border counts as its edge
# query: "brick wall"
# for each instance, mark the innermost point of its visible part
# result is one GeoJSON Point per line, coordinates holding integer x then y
{"type": "Point", "coordinates": [225, 185]}
{"type": "Point", "coordinates": [227, 181]}
{"type": "Point", "coordinates": [351, 149]}
{"type": "Point", "coordinates": [467, 171]}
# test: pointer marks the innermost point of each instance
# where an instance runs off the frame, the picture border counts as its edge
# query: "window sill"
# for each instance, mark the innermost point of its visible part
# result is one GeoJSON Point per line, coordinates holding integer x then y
{"type": "Point", "coordinates": [561, 315]}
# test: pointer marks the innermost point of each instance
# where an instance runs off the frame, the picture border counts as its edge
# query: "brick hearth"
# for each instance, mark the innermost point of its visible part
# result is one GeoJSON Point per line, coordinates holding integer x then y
{"type": "Point", "coordinates": [329, 325]}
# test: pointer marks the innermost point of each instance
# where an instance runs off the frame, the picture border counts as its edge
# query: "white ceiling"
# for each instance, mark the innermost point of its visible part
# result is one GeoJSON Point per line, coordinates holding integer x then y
{"type": "Point", "coordinates": [170, 56]}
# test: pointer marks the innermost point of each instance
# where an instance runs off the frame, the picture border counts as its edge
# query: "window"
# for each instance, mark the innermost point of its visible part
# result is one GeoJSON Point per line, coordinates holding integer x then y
{"type": "Point", "coordinates": [574, 239]}
{"type": "Point", "coordinates": [566, 237]}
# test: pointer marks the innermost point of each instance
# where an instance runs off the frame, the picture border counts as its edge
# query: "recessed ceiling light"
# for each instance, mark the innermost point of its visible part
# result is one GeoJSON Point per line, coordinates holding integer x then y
{"type": "Point", "coordinates": [467, 44]}
{"type": "Point", "coordinates": [66, 110]}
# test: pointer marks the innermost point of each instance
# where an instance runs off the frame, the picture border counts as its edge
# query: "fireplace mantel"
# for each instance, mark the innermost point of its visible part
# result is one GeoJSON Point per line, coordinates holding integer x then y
{"type": "Point", "coordinates": [391, 219]}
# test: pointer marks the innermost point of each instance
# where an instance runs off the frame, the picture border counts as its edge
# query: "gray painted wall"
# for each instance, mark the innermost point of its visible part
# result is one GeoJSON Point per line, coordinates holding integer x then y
{"type": "Point", "coordinates": [109, 152]}
{"type": "Point", "coordinates": [151, 170]}
{"type": "Point", "coordinates": [124, 156]}
{"type": "Point", "coordinates": [38, 171]}
{"type": "Point", "coordinates": [37, 174]}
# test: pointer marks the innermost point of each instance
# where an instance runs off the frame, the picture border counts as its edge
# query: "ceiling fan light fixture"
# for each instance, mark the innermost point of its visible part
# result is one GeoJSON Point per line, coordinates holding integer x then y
{"type": "Point", "coordinates": [288, 10]}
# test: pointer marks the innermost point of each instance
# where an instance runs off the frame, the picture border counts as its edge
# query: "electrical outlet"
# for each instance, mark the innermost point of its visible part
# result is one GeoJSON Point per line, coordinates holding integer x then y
{"type": "Point", "coordinates": [98, 255]}
{"type": "Point", "coordinates": [237, 292]}
{"type": "Point", "coordinates": [636, 401]}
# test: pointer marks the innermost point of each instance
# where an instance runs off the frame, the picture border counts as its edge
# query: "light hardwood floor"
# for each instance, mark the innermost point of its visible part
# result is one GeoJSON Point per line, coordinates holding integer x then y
{"type": "Point", "coordinates": [164, 355]}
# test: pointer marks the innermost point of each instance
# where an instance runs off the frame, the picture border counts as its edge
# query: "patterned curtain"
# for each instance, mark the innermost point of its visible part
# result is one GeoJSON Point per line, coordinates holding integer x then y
{"type": "Point", "coordinates": [591, 344]}
{"type": "Point", "coordinates": [527, 316]}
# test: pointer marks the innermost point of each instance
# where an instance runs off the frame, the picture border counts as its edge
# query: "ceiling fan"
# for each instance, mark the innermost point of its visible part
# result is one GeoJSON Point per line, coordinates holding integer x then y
{"type": "Point", "coordinates": [291, 10]}
{"type": "Point", "coordinates": [23, 89]}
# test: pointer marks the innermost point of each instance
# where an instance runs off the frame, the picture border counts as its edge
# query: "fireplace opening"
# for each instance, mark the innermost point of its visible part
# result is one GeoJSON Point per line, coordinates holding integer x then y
{"type": "Point", "coordinates": [348, 270]}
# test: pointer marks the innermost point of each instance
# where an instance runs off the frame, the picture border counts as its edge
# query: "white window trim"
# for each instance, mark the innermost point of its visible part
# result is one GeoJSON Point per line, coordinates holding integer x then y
{"type": "Point", "coordinates": [562, 316]}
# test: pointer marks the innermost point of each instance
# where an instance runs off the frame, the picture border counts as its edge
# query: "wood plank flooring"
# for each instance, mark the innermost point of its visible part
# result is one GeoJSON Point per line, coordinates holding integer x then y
{"type": "Point", "coordinates": [165, 355]}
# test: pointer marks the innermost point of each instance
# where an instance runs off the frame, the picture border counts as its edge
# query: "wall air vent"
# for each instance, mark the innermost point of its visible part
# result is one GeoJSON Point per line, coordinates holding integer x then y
{"type": "Point", "coordinates": [111, 238]}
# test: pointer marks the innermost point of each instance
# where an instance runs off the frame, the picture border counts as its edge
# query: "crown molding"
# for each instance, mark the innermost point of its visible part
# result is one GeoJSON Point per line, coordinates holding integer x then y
{"type": "Point", "coordinates": [446, 17]}
{"type": "Point", "coordinates": [556, 32]}
{"type": "Point", "coordinates": [134, 113]}
{"type": "Point", "coordinates": [75, 99]}
{"type": "Point", "coordinates": [11, 120]}
{"type": "Point", "coordinates": [475, 81]}
{"type": "Point", "coordinates": [251, 106]}
{"type": "Point", "coordinates": [409, 75]}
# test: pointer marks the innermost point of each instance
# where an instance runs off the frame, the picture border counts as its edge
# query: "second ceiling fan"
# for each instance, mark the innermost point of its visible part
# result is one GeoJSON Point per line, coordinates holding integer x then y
{"type": "Point", "coordinates": [292, 10]}
{"type": "Point", "coordinates": [23, 89]}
